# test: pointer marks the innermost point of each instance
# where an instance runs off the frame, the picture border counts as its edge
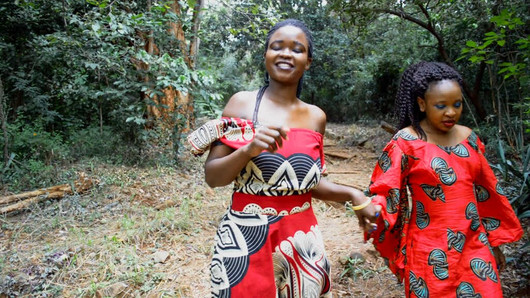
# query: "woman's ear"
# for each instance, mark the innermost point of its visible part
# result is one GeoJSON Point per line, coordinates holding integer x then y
{"type": "Point", "coordinates": [421, 103]}
{"type": "Point", "coordinates": [308, 64]}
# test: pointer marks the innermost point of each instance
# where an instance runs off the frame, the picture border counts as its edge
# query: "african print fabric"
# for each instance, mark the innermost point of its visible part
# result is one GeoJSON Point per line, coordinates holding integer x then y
{"type": "Point", "coordinates": [439, 239]}
{"type": "Point", "coordinates": [268, 243]}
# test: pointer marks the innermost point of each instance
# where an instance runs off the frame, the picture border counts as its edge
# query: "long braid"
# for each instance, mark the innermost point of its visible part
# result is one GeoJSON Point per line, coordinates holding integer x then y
{"type": "Point", "coordinates": [295, 23]}
{"type": "Point", "coordinates": [414, 83]}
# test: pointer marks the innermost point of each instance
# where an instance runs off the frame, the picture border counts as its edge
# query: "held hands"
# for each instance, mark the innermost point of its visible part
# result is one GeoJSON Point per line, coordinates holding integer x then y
{"type": "Point", "coordinates": [267, 137]}
{"type": "Point", "coordinates": [367, 214]}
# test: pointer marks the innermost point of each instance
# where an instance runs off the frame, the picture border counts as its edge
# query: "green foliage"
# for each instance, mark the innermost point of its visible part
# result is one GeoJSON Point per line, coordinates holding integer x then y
{"type": "Point", "coordinates": [356, 267]}
{"type": "Point", "coordinates": [516, 177]}
{"type": "Point", "coordinates": [506, 52]}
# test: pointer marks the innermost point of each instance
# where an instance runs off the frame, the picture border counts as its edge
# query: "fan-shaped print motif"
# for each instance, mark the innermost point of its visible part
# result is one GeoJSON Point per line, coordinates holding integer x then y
{"type": "Point", "coordinates": [455, 240]}
{"type": "Point", "coordinates": [472, 214]}
{"type": "Point", "coordinates": [274, 175]}
{"type": "Point", "coordinates": [472, 140]}
{"type": "Point", "coordinates": [434, 192]}
{"type": "Point", "coordinates": [422, 218]}
{"type": "Point", "coordinates": [383, 232]}
{"type": "Point", "coordinates": [405, 161]}
{"type": "Point", "coordinates": [481, 193]}
{"type": "Point", "coordinates": [483, 270]}
{"type": "Point", "coordinates": [484, 239]}
{"type": "Point", "coordinates": [499, 189]}
{"type": "Point", "coordinates": [418, 286]}
{"type": "Point", "coordinates": [384, 161]}
{"type": "Point", "coordinates": [392, 200]}
{"type": "Point", "coordinates": [446, 174]}
{"type": "Point", "coordinates": [466, 290]}
{"type": "Point", "coordinates": [490, 223]}
{"type": "Point", "coordinates": [405, 136]}
{"type": "Point", "coordinates": [459, 150]}
{"type": "Point", "coordinates": [438, 260]}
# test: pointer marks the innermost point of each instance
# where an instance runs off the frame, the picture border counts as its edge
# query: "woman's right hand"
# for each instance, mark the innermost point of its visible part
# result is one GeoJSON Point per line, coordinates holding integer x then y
{"type": "Point", "coordinates": [268, 138]}
{"type": "Point", "coordinates": [368, 217]}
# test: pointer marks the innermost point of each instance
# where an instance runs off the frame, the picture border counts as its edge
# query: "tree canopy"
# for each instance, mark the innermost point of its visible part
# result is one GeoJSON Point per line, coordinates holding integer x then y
{"type": "Point", "coordinates": [83, 77]}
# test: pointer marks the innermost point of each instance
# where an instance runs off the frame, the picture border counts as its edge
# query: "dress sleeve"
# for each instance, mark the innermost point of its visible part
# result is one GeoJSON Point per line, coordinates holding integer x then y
{"type": "Point", "coordinates": [323, 171]}
{"type": "Point", "coordinates": [388, 189]}
{"type": "Point", "coordinates": [494, 209]}
{"type": "Point", "coordinates": [233, 132]}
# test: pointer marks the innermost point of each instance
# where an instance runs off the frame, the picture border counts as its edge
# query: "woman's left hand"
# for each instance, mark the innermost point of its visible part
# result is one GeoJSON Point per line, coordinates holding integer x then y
{"type": "Point", "coordinates": [500, 259]}
{"type": "Point", "coordinates": [367, 217]}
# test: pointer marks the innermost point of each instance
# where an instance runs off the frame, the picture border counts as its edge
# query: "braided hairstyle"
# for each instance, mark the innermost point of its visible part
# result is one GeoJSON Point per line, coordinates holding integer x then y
{"type": "Point", "coordinates": [414, 83]}
{"type": "Point", "coordinates": [300, 25]}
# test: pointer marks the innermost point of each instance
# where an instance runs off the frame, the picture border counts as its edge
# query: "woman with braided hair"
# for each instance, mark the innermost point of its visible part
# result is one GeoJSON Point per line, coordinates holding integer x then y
{"type": "Point", "coordinates": [443, 240]}
{"type": "Point", "coordinates": [270, 144]}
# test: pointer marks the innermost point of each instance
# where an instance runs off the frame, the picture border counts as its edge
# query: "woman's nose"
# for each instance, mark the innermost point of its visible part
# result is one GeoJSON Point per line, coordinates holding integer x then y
{"type": "Point", "coordinates": [450, 111]}
{"type": "Point", "coordinates": [286, 52]}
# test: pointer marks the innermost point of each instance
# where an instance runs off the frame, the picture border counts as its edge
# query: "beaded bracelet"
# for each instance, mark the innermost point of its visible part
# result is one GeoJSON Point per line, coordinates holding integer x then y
{"type": "Point", "coordinates": [362, 206]}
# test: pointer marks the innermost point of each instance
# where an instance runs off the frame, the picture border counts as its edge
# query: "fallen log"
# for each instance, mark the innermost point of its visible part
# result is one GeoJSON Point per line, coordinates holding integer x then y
{"type": "Point", "coordinates": [23, 200]}
{"type": "Point", "coordinates": [388, 127]}
{"type": "Point", "coordinates": [339, 155]}
{"type": "Point", "coordinates": [345, 172]}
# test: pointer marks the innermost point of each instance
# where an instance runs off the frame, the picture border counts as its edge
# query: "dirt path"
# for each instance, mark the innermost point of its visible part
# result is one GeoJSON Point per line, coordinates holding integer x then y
{"type": "Point", "coordinates": [148, 232]}
{"type": "Point", "coordinates": [356, 269]}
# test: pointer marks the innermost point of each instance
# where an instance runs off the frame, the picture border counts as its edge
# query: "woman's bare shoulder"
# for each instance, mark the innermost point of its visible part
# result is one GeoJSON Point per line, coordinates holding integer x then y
{"type": "Point", "coordinates": [241, 105]}
{"type": "Point", "coordinates": [317, 118]}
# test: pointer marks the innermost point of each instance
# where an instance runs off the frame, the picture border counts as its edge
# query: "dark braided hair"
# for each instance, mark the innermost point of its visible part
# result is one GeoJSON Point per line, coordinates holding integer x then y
{"type": "Point", "coordinates": [414, 83]}
{"type": "Point", "coordinates": [298, 24]}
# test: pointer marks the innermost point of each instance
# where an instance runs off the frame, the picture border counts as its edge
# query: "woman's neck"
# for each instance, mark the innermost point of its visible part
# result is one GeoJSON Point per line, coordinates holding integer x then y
{"type": "Point", "coordinates": [281, 93]}
{"type": "Point", "coordinates": [454, 136]}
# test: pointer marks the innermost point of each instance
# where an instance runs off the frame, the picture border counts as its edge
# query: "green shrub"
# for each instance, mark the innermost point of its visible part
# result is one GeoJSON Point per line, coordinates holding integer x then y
{"type": "Point", "coordinates": [94, 141]}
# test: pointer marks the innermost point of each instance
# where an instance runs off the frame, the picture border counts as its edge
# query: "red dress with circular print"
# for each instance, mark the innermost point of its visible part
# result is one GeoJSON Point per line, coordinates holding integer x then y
{"type": "Point", "coordinates": [268, 243]}
{"type": "Point", "coordinates": [442, 211]}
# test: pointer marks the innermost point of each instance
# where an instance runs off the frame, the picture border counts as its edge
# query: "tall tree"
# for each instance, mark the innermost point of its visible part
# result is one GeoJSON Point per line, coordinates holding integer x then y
{"type": "Point", "coordinates": [432, 17]}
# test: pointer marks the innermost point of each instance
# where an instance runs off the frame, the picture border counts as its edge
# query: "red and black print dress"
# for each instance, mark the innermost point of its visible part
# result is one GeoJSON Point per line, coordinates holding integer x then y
{"type": "Point", "coordinates": [439, 240]}
{"type": "Point", "coordinates": [268, 243]}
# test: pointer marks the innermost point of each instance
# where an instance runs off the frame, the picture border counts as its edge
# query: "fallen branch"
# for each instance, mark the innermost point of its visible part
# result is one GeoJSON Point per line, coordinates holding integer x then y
{"type": "Point", "coordinates": [388, 127]}
{"type": "Point", "coordinates": [345, 172]}
{"type": "Point", "coordinates": [23, 200]}
{"type": "Point", "coordinates": [339, 155]}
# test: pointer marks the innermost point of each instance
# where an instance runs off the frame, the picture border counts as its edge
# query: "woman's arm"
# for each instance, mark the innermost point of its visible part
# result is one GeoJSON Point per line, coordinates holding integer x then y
{"type": "Point", "coordinates": [329, 191]}
{"type": "Point", "coordinates": [224, 163]}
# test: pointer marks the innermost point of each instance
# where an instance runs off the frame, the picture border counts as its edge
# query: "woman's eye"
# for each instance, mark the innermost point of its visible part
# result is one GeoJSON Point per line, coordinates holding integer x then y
{"type": "Point", "coordinates": [297, 50]}
{"type": "Point", "coordinates": [458, 104]}
{"type": "Point", "coordinates": [439, 106]}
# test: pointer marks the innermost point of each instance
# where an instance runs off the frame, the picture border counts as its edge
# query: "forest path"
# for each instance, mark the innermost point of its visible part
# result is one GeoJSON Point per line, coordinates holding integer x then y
{"type": "Point", "coordinates": [149, 232]}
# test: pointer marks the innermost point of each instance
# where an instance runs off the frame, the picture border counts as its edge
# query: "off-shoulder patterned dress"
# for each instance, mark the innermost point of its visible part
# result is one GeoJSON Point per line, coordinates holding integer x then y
{"type": "Point", "coordinates": [439, 238]}
{"type": "Point", "coordinates": [268, 243]}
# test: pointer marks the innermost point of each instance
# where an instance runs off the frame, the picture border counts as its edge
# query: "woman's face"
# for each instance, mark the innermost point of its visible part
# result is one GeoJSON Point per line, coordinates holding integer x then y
{"type": "Point", "coordinates": [286, 57]}
{"type": "Point", "coordinates": [442, 105]}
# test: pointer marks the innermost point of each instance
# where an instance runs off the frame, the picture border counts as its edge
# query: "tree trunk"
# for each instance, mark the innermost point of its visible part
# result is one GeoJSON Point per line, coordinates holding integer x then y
{"type": "Point", "coordinates": [3, 119]}
{"type": "Point", "coordinates": [473, 94]}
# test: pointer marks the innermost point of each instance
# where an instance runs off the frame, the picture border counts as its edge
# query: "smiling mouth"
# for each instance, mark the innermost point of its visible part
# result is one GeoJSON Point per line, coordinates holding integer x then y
{"type": "Point", "coordinates": [284, 65]}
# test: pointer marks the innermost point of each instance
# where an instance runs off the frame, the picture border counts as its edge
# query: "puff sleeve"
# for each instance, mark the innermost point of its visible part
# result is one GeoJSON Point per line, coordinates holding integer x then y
{"type": "Point", "coordinates": [388, 189]}
{"type": "Point", "coordinates": [496, 213]}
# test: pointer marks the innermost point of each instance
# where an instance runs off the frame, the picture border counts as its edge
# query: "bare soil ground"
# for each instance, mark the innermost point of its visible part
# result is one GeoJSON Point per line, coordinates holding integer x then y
{"type": "Point", "coordinates": [148, 232]}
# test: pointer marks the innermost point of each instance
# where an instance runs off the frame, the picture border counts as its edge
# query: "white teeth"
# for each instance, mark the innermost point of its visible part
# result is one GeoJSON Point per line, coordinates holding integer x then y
{"type": "Point", "coordinates": [284, 65]}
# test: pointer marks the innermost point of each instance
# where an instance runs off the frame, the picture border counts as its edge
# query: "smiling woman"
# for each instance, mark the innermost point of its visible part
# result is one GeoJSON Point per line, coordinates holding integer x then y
{"type": "Point", "coordinates": [269, 143]}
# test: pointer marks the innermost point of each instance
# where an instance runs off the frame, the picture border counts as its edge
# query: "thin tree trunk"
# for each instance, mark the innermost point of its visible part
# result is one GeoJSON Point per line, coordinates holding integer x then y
{"type": "Point", "coordinates": [3, 118]}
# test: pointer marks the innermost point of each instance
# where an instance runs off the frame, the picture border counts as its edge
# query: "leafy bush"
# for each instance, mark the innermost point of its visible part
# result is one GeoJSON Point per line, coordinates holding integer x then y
{"type": "Point", "coordinates": [30, 140]}
{"type": "Point", "coordinates": [515, 176]}
{"type": "Point", "coordinates": [94, 141]}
